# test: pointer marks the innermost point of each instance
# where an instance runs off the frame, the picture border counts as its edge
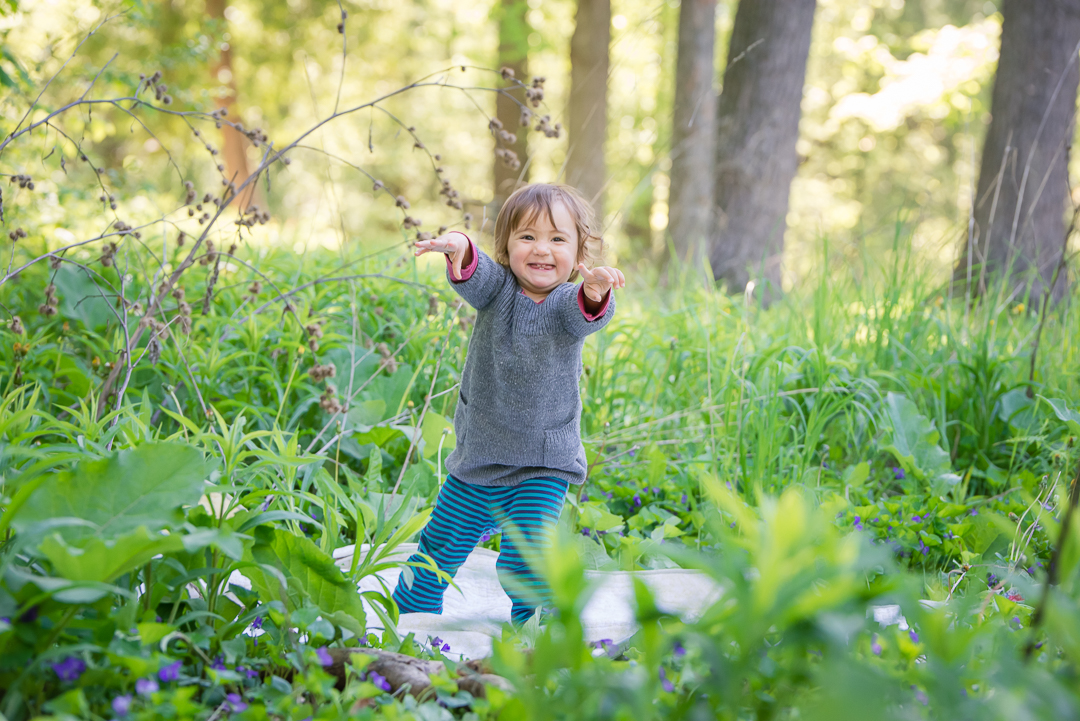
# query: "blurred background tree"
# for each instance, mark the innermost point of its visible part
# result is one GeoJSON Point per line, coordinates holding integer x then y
{"type": "Point", "coordinates": [1018, 221]}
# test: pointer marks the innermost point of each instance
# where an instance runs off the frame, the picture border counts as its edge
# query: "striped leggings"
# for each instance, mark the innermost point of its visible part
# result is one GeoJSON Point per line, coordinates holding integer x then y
{"type": "Point", "coordinates": [463, 514]}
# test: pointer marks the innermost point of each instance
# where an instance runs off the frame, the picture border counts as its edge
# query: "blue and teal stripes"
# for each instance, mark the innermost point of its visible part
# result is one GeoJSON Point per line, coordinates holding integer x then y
{"type": "Point", "coordinates": [525, 513]}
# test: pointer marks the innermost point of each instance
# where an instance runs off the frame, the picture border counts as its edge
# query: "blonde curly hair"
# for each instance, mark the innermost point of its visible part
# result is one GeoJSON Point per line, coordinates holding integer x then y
{"type": "Point", "coordinates": [527, 202]}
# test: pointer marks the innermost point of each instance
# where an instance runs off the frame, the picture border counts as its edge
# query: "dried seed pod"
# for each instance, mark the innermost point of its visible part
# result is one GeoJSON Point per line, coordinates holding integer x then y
{"type": "Point", "coordinates": [319, 373]}
{"type": "Point", "coordinates": [507, 73]}
{"type": "Point", "coordinates": [400, 202]}
{"type": "Point", "coordinates": [328, 400]}
{"type": "Point", "coordinates": [17, 325]}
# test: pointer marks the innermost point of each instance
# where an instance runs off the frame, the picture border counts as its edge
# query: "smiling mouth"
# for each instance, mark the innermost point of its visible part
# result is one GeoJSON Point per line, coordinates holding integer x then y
{"type": "Point", "coordinates": [541, 266]}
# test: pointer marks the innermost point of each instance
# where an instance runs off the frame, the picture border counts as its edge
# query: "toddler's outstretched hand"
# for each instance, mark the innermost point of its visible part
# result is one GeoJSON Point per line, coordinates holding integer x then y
{"type": "Point", "coordinates": [600, 280]}
{"type": "Point", "coordinates": [453, 244]}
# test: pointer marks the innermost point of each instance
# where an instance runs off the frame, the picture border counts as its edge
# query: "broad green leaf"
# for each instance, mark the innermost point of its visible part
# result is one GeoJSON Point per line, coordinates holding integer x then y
{"type": "Point", "coordinates": [596, 516]}
{"type": "Point", "coordinates": [94, 559]}
{"type": "Point", "coordinates": [144, 486]}
{"type": "Point", "coordinates": [1019, 411]}
{"type": "Point", "coordinates": [81, 298]}
{"type": "Point", "coordinates": [71, 375]}
{"type": "Point", "coordinates": [856, 475]}
{"type": "Point", "coordinates": [1061, 409]}
{"type": "Point", "coordinates": [367, 413]}
{"type": "Point", "coordinates": [915, 445]}
{"type": "Point", "coordinates": [311, 577]}
{"type": "Point", "coordinates": [150, 633]}
{"type": "Point", "coordinates": [432, 433]}
{"type": "Point", "coordinates": [379, 435]}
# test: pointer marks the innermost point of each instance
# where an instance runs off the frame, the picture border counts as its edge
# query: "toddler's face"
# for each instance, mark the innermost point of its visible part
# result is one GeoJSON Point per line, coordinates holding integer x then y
{"type": "Point", "coordinates": [542, 255]}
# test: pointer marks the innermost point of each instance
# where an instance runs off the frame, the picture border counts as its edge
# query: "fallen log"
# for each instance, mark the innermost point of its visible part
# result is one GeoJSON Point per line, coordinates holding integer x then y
{"type": "Point", "coordinates": [414, 674]}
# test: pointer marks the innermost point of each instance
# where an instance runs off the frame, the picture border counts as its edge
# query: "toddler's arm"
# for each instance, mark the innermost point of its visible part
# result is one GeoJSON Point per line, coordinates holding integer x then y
{"type": "Point", "coordinates": [591, 305]}
{"type": "Point", "coordinates": [475, 276]}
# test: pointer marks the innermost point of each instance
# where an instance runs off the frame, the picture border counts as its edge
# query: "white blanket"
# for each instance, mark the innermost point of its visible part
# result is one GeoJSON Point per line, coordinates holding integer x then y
{"type": "Point", "coordinates": [475, 615]}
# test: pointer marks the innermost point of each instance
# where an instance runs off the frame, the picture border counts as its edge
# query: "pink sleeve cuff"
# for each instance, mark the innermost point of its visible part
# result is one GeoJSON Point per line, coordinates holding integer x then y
{"type": "Point", "coordinates": [581, 304]}
{"type": "Point", "coordinates": [467, 271]}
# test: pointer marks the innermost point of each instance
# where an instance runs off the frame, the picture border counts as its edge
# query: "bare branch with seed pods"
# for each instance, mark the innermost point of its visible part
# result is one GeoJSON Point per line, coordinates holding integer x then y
{"type": "Point", "coordinates": [194, 222]}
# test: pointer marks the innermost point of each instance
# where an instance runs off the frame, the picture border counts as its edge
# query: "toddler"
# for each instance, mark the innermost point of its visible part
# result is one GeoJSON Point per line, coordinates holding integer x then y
{"type": "Point", "coordinates": [518, 417]}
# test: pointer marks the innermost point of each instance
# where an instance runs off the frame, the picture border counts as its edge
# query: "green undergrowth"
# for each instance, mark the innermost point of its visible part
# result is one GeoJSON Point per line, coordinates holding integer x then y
{"type": "Point", "coordinates": [871, 439]}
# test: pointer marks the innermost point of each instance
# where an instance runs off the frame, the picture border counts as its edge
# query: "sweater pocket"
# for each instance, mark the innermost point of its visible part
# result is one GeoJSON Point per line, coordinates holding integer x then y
{"type": "Point", "coordinates": [562, 448]}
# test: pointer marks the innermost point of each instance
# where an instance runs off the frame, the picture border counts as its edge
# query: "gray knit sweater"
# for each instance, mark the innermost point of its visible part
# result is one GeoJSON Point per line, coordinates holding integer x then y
{"type": "Point", "coordinates": [519, 409]}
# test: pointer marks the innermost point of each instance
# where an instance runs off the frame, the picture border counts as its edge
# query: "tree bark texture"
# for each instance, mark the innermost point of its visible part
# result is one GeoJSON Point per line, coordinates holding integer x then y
{"type": "Point", "coordinates": [757, 125]}
{"type": "Point", "coordinates": [693, 131]}
{"type": "Point", "coordinates": [234, 143]}
{"type": "Point", "coordinates": [513, 54]}
{"type": "Point", "coordinates": [1019, 215]}
{"type": "Point", "coordinates": [587, 110]}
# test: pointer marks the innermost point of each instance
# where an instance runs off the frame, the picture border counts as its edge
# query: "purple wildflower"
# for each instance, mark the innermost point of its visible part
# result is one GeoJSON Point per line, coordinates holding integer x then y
{"type": "Point", "coordinates": [875, 646]}
{"type": "Point", "coordinates": [916, 519]}
{"type": "Point", "coordinates": [633, 452]}
{"type": "Point", "coordinates": [170, 672]}
{"type": "Point", "coordinates": [974, 512]}
{"type": "Point", "coordinates": [656, 490]}
{"type": "Point", "coordinates": [921, 696]}
{"type": "Point", "coordinates": [236, 702]}
{"type": "Point", "coordinates": [445, 647]}
{"type": "Point", "coordinates": [146, 686]}
{"type": "Point", "coordinates": [380, 681]}
{"type": "Point", "coordinates": [858, 522]}
{"type": "Point", "coordinates": [485, 537]}
{"type": "Point", "coordinates": [991, 580]}
{"type": "Point", "coordinates": [267, 502]}
{"type": "Point", "coordinates": [668, 685]}
{"type": "Point", "coordinates": [923, 547]}
{"type": "Point", "coordinates": [637, 499]}
{"type": "Point", "coordinates": [684, 499]}
{"type": "Point", "coordinates": [121, 705]}
{"type": "Point", "coordinates": [585, 497]}
{"type": "Point", "coordinates": [609, 495]}
{"type": "Point", "coordinates": [219, 664]}
{"type": "Point", "coordinates": [585, 531]}
{"type": "Point", "coordinates": [898, 472]}
{"type": "Point", "coordinates": [325, 659]}
{"type": "Point", "coordinates": [913, 636]}
{"type": "Point", "coordinates": [69, 669]}
{"type": "Point", "coordinates": [436, 642]}
{"type": "Point", "coordinates": [257, 623]}
{"type": "Point", "coordinates": [679, 650]}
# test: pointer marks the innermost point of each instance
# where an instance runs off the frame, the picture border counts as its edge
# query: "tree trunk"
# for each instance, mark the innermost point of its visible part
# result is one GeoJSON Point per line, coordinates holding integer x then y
{"type": "Point", "coordinates": [757, 124]}
{"type": "Point", "coordinates": [234, 143]}
{"type": "Point", "coordinates": [587, 111]}
{"type": "Point", "coordinates": [1019, 222]}
{"type": "Point", "coordinates": [513, 54]}
{"type": "Point", "coordinates": [694, 126]}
